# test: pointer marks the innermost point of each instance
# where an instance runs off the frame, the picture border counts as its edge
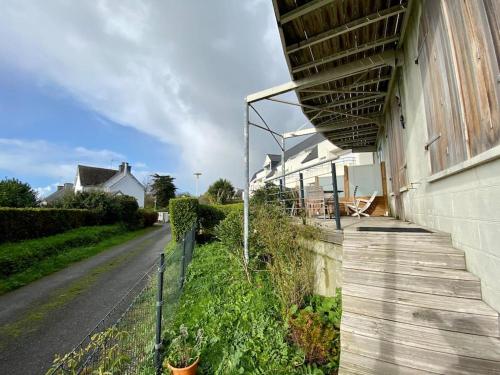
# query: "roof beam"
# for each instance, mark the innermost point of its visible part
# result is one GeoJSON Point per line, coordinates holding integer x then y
{"type": "Point", "coordinates": [353, 134]}
{"type": "Point", "coordinates": [338, 125]}
{"type": "Point", "coordinates": [339, 103]}
{"type": "Point", "coordinates": [346, 53]}
{"type": "Point", "coordinates": [346, 88]}
{"type": "Point", "coordinates": [351, 110]}
{"type": "Point", "coordinates": [368, 63]}
{"type": "Point", "coordinates": [303, 10]}
{"type": "Point", "coordinates": [350, 26]}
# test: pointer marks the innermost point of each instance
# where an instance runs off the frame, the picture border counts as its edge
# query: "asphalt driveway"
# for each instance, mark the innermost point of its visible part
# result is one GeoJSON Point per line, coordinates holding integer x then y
{"type": "Point", "coordinates": [53, 314]}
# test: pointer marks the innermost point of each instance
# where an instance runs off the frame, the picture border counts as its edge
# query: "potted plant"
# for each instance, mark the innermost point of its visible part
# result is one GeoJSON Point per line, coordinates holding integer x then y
{"type": "Point", "coordinates": [184, 352]}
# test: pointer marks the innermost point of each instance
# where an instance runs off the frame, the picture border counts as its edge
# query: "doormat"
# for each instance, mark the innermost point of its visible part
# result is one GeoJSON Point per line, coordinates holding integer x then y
{"type": "Point", "coordinates": [393, 229]}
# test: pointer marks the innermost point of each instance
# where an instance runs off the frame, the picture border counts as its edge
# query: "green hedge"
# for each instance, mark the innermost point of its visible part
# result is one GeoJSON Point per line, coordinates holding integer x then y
{"type": "Point", "coordinates": [25, 223]}
{"type": "Point", "coordinates": [147, 217]}
{"type": "Point", "coordinates": [183, 214]}
{"type": "Point", "coordinates": [16, 257]}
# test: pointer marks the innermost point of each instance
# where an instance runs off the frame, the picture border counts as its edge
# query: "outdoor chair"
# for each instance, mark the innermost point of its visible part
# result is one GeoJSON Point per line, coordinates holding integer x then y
{"type": "Point", "coordinates": [355, 206]}
{"type": "Point", "coordinates": [315, 201]}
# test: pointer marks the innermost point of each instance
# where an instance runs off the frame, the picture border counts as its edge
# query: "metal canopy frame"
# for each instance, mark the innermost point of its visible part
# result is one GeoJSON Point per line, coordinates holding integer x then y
{"type": "Point", "coordinates": [387, 58]}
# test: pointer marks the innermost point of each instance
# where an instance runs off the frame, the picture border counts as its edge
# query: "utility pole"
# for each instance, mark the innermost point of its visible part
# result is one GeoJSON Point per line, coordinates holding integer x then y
{"type": "Point", "coordinates": [197, 176]}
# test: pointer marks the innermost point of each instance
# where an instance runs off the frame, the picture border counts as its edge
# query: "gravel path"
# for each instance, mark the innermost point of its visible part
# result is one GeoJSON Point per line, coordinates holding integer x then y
{"type": "Point", "coordinates": [53, 314]}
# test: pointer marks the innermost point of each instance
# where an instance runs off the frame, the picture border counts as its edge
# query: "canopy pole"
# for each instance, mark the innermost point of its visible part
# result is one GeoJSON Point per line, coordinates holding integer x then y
{"type": "Point", "coordinates": [246, 198]}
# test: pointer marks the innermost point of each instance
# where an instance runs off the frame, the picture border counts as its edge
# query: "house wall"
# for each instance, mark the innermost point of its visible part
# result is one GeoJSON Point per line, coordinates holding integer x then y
{"type": "Point", "coordinates": [129, 186]}
{"type": "Point", "coordinates": [466, 203]}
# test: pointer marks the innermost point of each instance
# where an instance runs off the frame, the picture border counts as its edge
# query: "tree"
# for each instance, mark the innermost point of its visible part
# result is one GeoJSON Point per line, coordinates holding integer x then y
{"type": "Point", "coordinates": [221, 191]}
{"type": "Point", "coordinates": [163, 189]}
{"type": "Point", "coordinates": [14, 193]}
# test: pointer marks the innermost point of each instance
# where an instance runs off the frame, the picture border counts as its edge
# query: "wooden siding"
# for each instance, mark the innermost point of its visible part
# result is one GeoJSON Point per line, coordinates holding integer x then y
{"type": "Point", "coordinates": [395, 144]}
{"type": "Point", "coordinates": [458, 45]}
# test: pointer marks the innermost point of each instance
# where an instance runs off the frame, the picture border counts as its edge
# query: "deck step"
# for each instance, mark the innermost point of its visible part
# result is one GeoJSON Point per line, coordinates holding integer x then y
{"type": "Point", "coordinates": [444, 273]}
{"type": "Point", "coordinates": [410, 356]}
{"type": "Point", "coordinates": [454, 287]}
{"type": "Point", "coordinates": [451, 318]}
{"type": "Point", "coordinates": [355, 364]}
{"type": "Point", "coordinates": [461, 344]}
{"type": "Point", "coordinates": [454, 261]}
{"type": "Point", "coordinates": [423, 248]}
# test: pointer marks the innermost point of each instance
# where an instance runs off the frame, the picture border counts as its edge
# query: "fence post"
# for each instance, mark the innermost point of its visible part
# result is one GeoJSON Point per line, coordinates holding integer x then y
{"type": "Point", "coordinates": [302, 195]}
{"type": "Point", "coordinates": [183, 265]}
{"type": "Point", "coordinates": [159, 305]}
{"type": "Point", "coordinates": [336, 196]}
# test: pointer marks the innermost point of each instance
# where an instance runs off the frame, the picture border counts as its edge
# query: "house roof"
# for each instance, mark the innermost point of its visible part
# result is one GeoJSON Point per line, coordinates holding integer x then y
{"type": "Point", "coordinates": [346, 52]}
{"type": "Point", "coordinates": [255, 174]}
{"type": "Point", "coordinates": [311, 141]}
{"type": "Point", "coordinates": [274, 157]}
{"type": "Point", "coordinates": [93, 176]}
{"type": "Point", "coordinates": [313, 154]}
{"type": "Point", "coordinates": [56, 195]}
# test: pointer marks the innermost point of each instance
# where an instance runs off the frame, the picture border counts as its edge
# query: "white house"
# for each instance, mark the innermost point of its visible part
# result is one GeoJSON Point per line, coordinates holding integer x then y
{"type": "Point", "coordinates": [308, 152]}
{"type": "Point", "coordinates": [120, 181]}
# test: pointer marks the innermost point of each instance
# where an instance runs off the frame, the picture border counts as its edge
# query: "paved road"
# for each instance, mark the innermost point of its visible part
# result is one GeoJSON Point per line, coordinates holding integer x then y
{"type": "Point", "coordinates": [53, 314]}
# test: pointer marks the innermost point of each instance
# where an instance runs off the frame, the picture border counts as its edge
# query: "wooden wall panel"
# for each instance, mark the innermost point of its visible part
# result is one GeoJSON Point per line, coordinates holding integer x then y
{"type": "Point", "coordinates": [441, 92]}
{"type": "Point", "coordinates": [473, 27]}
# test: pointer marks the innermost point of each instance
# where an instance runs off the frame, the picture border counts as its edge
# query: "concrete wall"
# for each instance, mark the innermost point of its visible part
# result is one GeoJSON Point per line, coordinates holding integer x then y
{"type": "Point", "coordinates": [466, 203]}
{"type": "Point", "coordinates": [328, 267]}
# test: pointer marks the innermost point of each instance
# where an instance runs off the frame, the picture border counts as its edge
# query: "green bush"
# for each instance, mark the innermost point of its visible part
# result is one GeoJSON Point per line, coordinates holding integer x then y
{"type": "Point", "coordinates": [147, 217]}
{"type": "Point", "coordinates": [183, 215]}
{"type": "Point", "coordinates": [16, 257]}
{"type": "Point", "coordinates": [25, 223]}
{"type": "Point", "coordinates": [209, 216]}
{"type": "Point", "coordinates": [230, 231]}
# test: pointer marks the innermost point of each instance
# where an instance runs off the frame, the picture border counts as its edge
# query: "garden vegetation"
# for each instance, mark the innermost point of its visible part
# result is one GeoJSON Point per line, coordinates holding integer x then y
{"type": "Point", "coordinates": [260, 318]}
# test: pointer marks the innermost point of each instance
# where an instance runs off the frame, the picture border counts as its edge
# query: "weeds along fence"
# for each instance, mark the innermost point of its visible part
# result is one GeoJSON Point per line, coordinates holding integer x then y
{"type": "Point", "coordinates": [128, 339]}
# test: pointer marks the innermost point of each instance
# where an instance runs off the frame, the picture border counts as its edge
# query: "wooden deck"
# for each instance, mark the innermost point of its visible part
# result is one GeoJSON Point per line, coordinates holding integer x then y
{"type": "Point", "coordinates": [410, 306]}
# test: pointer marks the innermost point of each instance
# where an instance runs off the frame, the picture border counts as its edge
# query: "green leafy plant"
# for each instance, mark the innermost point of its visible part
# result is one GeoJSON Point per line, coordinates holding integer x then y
{"type": "Point", "coordinates": [316, 330]}
{"type": "Point", "coordinates": [163, 189]}
{"type": "Point", "coordinates": [184, 349]}
{"type": "Point", "coordinates": [280, 244]}
{"type": "Point", "coordinates": [221, 191]}
{"type": "Point", "coordinates": [183, 215]}
{"type": "Point", "coordinates": [15, 193]}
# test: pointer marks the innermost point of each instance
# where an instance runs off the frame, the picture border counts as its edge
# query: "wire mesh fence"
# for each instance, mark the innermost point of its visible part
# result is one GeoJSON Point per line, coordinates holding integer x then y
{"type": "Point", "coordinates": [125, 341]}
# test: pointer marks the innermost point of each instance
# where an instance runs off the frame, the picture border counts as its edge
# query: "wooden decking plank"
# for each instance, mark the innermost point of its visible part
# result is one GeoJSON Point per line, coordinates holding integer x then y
{"type": "Point", "coordinates": [420, 248]}
{"type": "Point", "coordinates": [355, 364]}
{"type": "Point", "coordinates": [426, 317]}
{"type": "Point", "coordinates": [423, 300]}
{"type": "Point", "coordinates": [432, 272]}
{"type": "Point", "coordinates": [412, 283]}
{"type": "Point", "coordinates": [406, 257]}
{"type": "Point", "coordinates": [463, 344]}
{"type": "Point", "coordinates": [423, 359]}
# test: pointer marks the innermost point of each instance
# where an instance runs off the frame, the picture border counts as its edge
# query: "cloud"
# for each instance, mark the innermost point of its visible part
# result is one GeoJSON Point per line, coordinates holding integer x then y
{"type": "Point", "coordinates": [40, 158]}
{"type": "Point", "coordinates": [176, 70]}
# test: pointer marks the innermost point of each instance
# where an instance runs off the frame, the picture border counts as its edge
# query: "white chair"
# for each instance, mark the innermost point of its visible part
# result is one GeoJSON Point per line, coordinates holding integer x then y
{"type": "Point", "coordinates": [355, 206]}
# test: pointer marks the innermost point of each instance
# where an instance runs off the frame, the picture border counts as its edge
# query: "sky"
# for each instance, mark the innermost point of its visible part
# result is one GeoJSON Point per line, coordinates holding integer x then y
{"type": "Point", "coordinates": [159, 84]}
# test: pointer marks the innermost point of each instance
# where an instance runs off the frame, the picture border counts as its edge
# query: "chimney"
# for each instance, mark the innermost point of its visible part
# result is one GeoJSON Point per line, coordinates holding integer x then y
{"type": "Point", "coordinates": [60, 187]}
{"type": "Point", "coordinates": [68, 186]}
{"type": "Point", "coordinates": [125, 168]}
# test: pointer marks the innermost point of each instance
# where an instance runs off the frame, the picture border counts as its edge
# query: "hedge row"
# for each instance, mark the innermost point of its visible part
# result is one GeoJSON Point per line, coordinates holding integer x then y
{"type": "Point", "coordinates": [25, 223]}
{"type": "Point", "coordinates": [147, 218]}
{"type": "Point", "coordinates": [17, 257]}
{"type": "Point", "coordinates": [183, 215]}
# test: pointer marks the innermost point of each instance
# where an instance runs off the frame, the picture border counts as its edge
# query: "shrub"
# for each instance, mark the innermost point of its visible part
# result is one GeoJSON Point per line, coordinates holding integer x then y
{"type": "Point", "coordinates": [25, 223]}
{"type": "Point", "coordinates": [183, 215]}
{"type": "Point", "coordinates": [230, 231]}
{"type": "Point", "coordinates": [16, 257]}
{"type": "Point", "coordinates": [148, 217]}
{"type": "Point", "coordinates": [127, 210]}
{"type": "Point", "coordinates": [209, 216]}
{"type": "Point", "coordinates": [14, 193]}
{"type": "Point", "coordinates": [221, 191]}
{"type": "Point", "coordinates": [287, 257]}
{"type": "Point", "coordinates": [316, 330]}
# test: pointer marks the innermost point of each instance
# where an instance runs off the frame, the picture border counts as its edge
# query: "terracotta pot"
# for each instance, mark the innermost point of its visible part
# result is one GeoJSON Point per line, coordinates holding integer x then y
{"type": "Point", "coordinates": [191, 370]}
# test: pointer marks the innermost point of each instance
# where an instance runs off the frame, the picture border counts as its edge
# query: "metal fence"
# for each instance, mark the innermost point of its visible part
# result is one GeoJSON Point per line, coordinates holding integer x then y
{"type": "Point", "coordinates": [128, 339]}
{"type": "Point", "coordinates": [312, 191]}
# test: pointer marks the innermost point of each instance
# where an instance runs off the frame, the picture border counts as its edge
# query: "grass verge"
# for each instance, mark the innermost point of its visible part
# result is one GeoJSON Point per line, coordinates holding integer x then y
{"type": "Point", "coordinates": [101, 238]}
